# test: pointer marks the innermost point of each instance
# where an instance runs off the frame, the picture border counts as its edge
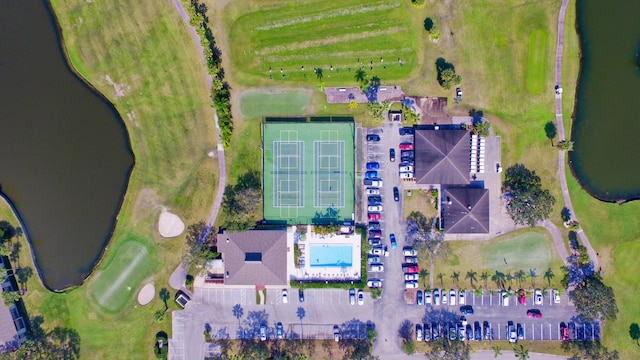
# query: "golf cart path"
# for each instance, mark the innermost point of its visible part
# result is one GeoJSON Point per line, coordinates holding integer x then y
{"type": "Point", "coordinates": [561, 135]}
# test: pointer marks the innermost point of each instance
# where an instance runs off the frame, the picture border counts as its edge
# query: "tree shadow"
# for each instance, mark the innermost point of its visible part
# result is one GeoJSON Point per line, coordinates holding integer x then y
{"type": "Point", "coordinates": [565, 214]}
{"type": "Point", "coordinates": [440, 316]}
{"type": "Point", "coordinates": [405, 331]}
{"type": "Point", "coordinates": [476, 115]}
{"type": "Point", "coordinates": [428, 24]}
{"type": "Point", "coordinates": [550, 131]}
{"type": "Point", "coordinates": [250, 328]}
{"type": "Point", "coordinates": [634, 332]}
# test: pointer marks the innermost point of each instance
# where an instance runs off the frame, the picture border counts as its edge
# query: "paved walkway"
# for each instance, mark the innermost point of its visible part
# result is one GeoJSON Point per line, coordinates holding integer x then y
{"type": "Point", "coordinates": [561, 135]}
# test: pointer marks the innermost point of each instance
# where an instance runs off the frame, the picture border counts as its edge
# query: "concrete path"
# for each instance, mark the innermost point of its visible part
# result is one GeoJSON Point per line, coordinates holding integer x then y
{"type": "Point", "coordinates": [561, 135]}
{"type": "Point", "coordinates": [557, 239]}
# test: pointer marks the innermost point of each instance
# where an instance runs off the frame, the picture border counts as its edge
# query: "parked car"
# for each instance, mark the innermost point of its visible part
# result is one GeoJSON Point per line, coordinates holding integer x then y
{"type": "Point", "coordinates": [285, 296]}
{"type": "Point", "coordinates": [564, 331]}
{"type": "Point", "coordinates": [406, 175]}
{"type": "Point", "coordinates": [461, 297]}
{"type": "Point", "coordinates": [504, 298]}
{"type": "Point", "coordinates": [486, 328]}
{"type": "Point", "coordinates": [537, 297]}
{"type": "Point", "coordinates": [279, 331]}
{"type": "Point", "coordinates": [263, 332]}
{"type": "Point", "coordinates": [374, 225]}
{"type": "Point", "coordinates": [435, 331]}
{"type": "Point", "coordinates": [360, 297]}
{"type": "Point", "coordinates": [411, 277]}
{"type": "Point", "coordinates": [419, 298]}
{"type": "Point", "coordinates": [373, 191]}
{"type": "Point", "coordinates": [410, 269]}
{"type": "Point", "coordinates": [373, 165]}
{"type": "Point", "coordinates": [409, 251]}
{"type": "Point", "coordinates": [406, 131]}
{"type": "Point", "coordinates": [406, 146]}
{"type": "Point", "coordinates": [463, 320]}
{"type": "Point", "coordinates": [376, 268]}
{"type": "Point", "coordinates": [371, 175]}
{"type": "Point", "coordinates": [427, 297]}
{"type": "Point", "coordinates": [378, 250]}
{"type": "Point", "coordinates": [511, 332]}
{"type": "Point", "coordinates": [301, 295]}
{"type": "Point", "coordinates": [375, 233]}
{"type": "Point", "coordinates": [394, 244]}
{"type": "Point", "coordinates": [374, 199]}
{"type": "Point", "coordinates": [418, 332]}
{"type": "Point", "coordinates": [445, 298]}
{"type": "Point", "coordinates": [522, 297]}
{"type": "Point", "coordinates": [407, 154]}
{"type": "Point", "coordinates": [556, 296]}
{"type": "Point", "coordinates": [461, 332]}
{"type": "Point", "coordinates": [373, 259]}
{"type": "Point", "coordinates": [478, 330]}
{"type": "Point", "coordinates": [520, 331]}
{"type": "Point", "coordinates": [406, 168]}
{"type": "Point", "coordinates": [375, 216]}
{"type": "Point", "coordinates": [375, 241]}
{"type": "Point", "coordinates": [452, 297]}
{"type": "Point", "coordinates": [352, 296]}
{"type": "Point", "coordinates": [469, 333]}
{"type": "Point", "coordinates": [396, 193]}
{"type": "Point", "coordinates": [336, 333]}
{"type": "Point", "coordinates": [436, 296]}
{"type": "Point", "coordinates": [534, 313]}
{"type": "Point", "coordinates": [426, 329]}
{"type": "Point", "coordinates": [453, 333]}
{"type": "Point", "coordinates": [374, 208]}
{"type": "Point", "coordinates": [458, 93]}
{"type": "Point", "coordinates": [466, 310]}
{"type": "Point", "coordinates": [376, 182]}
{"type": "Point", "coordinates": [410, 284]}
{"type": "Point", "coordinates": [373, 137]}
{"type": "Point", "coordinates": [410, 260]}
{"type": "Point", "coordinates": [374, 283]}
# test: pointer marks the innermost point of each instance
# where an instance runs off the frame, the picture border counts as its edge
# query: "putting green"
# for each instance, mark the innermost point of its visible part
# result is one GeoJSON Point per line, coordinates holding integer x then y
{"type": "Point", "coordinates": [524, 251]}
{"type": "Point", "coordinates": [258, 103]}
{"type": "Point", "coordinates": [122, 275]}
{"type": "Point", "coordinates": [537, 63]}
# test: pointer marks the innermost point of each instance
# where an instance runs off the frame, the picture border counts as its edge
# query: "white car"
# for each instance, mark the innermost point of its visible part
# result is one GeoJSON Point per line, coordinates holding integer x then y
{"type": "Point", "coordinates": [376, 268]}
{"type": "Point", "coordinates": [444, 297]}
{"type": "Point", "coordinates": [373, 191]}
{"type": "Point", "coordinates": [427, 297]}
{"type": "Point", "coordinates": [360, 297]}
{"type": "Point", "coordinates": [406, 168]}
{"type": "Point", "coordinates": [461, 297]}
{"type": "Point", "coordinates": [410, 260]}
{"type": "Point", "coordinates": [376, 251]}
{"type": "Point", "coordinates": [556, 296]}
{"type": "Point", "coordinates": [285, 296]}
{"type": "Point", "coordinates": [376, 183]}
{"type": "Point", "coordinates": [406, 175]}
{"type": "Point", "coordinates": [374, 208]}
{"type": "Point", "coordinates": [410, 284]}
{"type": "Point", "coordinates": [537, 297]}
{"type": "Point", "coordinates": [411, 277]}
{"type": "Point", "coordinates": [374, 283]}
{"type": "Point", "coordinates": [409, 251]}
{"type": "Point", "coordinates": [504, 298]}
{"type": "Point", "coordinates": [452, 297]}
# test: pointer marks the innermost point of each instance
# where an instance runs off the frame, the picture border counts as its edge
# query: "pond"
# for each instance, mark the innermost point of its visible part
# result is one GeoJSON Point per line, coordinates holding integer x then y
{"type": "Point", "coordinates": [65, 151]}
{"type": "Point", "coordinates": [606, 128]}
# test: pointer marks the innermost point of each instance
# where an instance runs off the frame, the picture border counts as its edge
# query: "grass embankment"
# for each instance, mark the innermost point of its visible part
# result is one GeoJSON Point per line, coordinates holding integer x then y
{"type": "Point", "coordinates": [258, 103]}
{"type": "Point", "coordinates": [146, 48]}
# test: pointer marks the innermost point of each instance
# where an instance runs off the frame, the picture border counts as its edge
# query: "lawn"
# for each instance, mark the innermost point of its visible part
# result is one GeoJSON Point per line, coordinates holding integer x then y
{"type": "Point", "coordinates": [145, 46]}
{"type": "Point", "coordinates": [260, 103]}
{"type": "Point", "coordinates": [536, 66]}
{"type": "Point", "coordinates": [523, 249]}
{"type": "Point", "coordinates": [420, 201]}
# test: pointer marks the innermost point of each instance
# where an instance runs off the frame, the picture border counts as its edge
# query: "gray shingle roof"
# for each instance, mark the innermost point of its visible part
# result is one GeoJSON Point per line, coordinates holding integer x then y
{"type": "Point", "coordinates": [271, 270]}
{"type": "Point", "coordinates": [442, 156]}
{"type": "Point", "coordinates": [468, 212]}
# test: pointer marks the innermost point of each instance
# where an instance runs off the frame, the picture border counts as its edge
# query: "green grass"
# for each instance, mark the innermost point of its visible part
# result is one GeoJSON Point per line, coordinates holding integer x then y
{"type": "Point", "coordinates": [528, 250]}
{"type": "Point", "coordinates": [536, 66]}
{"type": "Point", "coordinates": [113, 287]}
{"type": "Point", "coordinates": [259, 103]}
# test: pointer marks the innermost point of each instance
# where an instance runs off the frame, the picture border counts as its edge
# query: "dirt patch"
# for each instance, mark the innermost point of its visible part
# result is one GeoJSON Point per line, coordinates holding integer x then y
{"type": "Point", "coordinates": [118, 88]}
{"type": "Point", "coordinates": [147, 202]}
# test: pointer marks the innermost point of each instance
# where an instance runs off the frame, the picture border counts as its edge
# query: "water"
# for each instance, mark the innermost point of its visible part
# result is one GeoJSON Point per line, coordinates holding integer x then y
{"type": "Point", "coordinates": [607, 127]}
{"type": "Point", "coordinates": [330, 255]}
{"type": "Point", "coordinates": [64, 150]}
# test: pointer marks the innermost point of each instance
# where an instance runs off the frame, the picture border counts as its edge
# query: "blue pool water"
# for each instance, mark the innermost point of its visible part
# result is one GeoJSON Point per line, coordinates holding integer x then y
{"type": "Point", "coordinates": [330, 255]}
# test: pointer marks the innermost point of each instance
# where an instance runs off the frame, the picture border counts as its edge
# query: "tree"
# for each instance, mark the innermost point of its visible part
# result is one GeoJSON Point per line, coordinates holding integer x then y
{"type": "Point", "coordinates": [455, 277]}
{"type": "Point", "coordinates": [527, 202]}
{"type": "Point", "coordinates": [484, 276]}
{"type": "Point", "coordinates": [471, 276]}
{"type": "Point", "coordinates": [59, 343]}
{"type": "Point", "coordinates": [521, 353]}
{"type": "Point", "coordinates": [377, 110]}
{"type": "Point", "coordinates": [533, 275]}
{"type": "Point", "coordinates": [10, 297]}
{"type": "Point", "coordinates": [197, 256]}
{"type": "Point", "coordinates": [634, 332]}
{"type": "Point", "coordinates": [445, 349]}
{"type": "Point", "coordinates": [158, 316]}
{"type": "Point", "coordinates": [497, 351]}
{"type": "Point", "coordinates": [361, 77]}
{"type": "Point", "coordinates": [550, 130]}
{"type": "Point", "coordinates": [565, 214]}
{"type": "Point", "coordinates": [241, 202]}
{"type": "Point", "coordinates": [510, 278]}
{"type": "Point", "coordinates": [520, 275]}
{"type": "Point", "coordinates": [164, 296]}
{"type": "Point", "coordinates": [589, 350]}
{"type": "Point", "coordinates": [565, 145]}
{"type": "Point", "coordinates": [423, 276]}
{"type": "Point", "coordinates": [375, 81]}
{"type": "Point", "coordinates": [447, 76]}
{"type": "Point", "coordinates": [593, 299]}
{"type": "Point", "coordinates": [441, 278]}
{"type": "Point", "coordinates": [549, 275]}
{"type": "Point", "coordinates": [353, 104]}
{"type": "Point", "coordinates": [481, 128]}
{"type": "Point", "coordinates": [499, 278]}
{"type": "Point", "coordinates": [319, 73]}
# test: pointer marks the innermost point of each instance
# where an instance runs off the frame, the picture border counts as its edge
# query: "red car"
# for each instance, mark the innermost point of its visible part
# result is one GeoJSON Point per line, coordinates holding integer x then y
{"type": "Point", "coordinates": [534, 313]}
{"type": "Point", "coordinates": [410, 269]}
{"type": "Point", "coordinates": [406, 146]}
{"type": "Point", "coordinates": [375, 216]}
{"type": "Point", "coordinates": [564, 332]}
{"type": "Point", "coordinates": [522, 297]}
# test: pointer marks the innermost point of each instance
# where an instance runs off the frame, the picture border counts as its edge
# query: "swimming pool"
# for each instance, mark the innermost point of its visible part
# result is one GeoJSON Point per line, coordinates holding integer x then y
{"type": "Point", "coordinates": [330, 255]}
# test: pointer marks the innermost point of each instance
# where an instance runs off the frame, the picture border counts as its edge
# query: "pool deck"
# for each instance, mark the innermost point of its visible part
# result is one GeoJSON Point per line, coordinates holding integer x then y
{"type": "Point", "coordinates": [329, 273]}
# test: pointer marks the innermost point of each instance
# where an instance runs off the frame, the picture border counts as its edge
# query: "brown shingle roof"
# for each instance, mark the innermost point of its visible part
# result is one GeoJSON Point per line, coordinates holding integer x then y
{"type": "Point", "coordinates": [271, 270]}
{"type": "Point", "coordinates": [442, 156]}
{"type": "Point", "coordinates": [468, 212]}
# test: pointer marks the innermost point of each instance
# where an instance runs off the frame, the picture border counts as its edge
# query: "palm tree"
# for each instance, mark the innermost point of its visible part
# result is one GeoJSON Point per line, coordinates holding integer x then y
{"type": "Point", "coordinates": [471, 276]}
{"type": "Point", "coordinates": [549, 275]}
{"type": "Point", "coordinates": [164, 296]}
{"type": "Point", "coordinates": [484, 277]}
{"type": "Point", "coordinates": [455, 277]}
{"type": "Point", "coordinates": [423, 275]}
{"type": "Point", "coordinates": [521, 353]}
{"type": "Point", "coordinates": [520, 277]}
{"type": "Point", "coordinates": [510, 278]}
{"type": "Point", "coordinates": [499, 279]}
{"type": "Point", "coordinates": [441, 277]}
{"type": "Point", "coordinates": [533, 276]}
{"type": "Point", "coordinates": [361, 76]}
{"type": "Point", "coordinates": [498, 351]}
{"type": "Point", "coordinates": [477, 291]}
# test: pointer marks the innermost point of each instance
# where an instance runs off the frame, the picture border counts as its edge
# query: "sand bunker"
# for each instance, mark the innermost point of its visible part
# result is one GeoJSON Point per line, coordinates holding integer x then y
{"type": "Point", "coordinates": [170, 225]}
{"type": "Point", "coordinates": [146, 294]}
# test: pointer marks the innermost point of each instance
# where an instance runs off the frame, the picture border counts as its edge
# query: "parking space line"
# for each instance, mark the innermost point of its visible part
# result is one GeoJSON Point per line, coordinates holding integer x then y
{"type": "Point", "coordinates": [499, 331]}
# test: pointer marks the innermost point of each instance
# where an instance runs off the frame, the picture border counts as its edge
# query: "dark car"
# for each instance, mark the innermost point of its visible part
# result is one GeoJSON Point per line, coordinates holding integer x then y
{"type": "Point", "coordinates": [487, 330]}
{"type": "Point", "coordinates": [427, 331]}
{"type": "Point", "coordinates": [374, 225]}
{"type": "Point", "coordinates": [466, 310]}
{"type": "Point", "coordinates": [406, 131]}
{"type": "Point", "coordinates": [301, 295]}
{"type": "Point", "coordinates": [435, 331]}
{"type": "Point", "coordinates": [520, 332]}
{"type": "Point", "coordinates": [373, 137]}
{"type": "Point", "coordinates": [375, 234]}
{"type": "Point", "coordinates": [396, 193]}
{"type": "Point", "coordinates": [375, 200]}
{"type": "Point", "coordinates": [394, 244]}
{"type": "Point", "coordinates": [469, 333]}
{"type": "Point", "coordinates": [453, 334]}
{"type": "Point", "coordinates": [392, 155]}
{"type": "Point", "coordinates": [478, 330]}
{"type": "Point", "coordinates": [419, 298]}
{"type": "Point", "coordinates": [534, 313]}
{"type": "Point", "coordinates": [371, 175]}
{"type": "Point", "coordinates": [461, 334]}
{"type": "Point", "coordinates": [373, 166]}
{"type": "Point", "coordinates": [406, 155]}
{"type": "Point", "coordinates": [279, 331]}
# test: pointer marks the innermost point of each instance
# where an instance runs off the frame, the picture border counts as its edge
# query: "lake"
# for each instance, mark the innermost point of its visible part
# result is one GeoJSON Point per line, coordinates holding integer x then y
{"type": "Point", "coordinates": [606, 129]}
{"type": "Point", "coordinates": [64, 149]}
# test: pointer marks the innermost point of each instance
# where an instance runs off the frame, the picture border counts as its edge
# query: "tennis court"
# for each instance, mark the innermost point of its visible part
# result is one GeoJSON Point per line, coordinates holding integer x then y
{"type": "Point", "coordinates": [308, 170]}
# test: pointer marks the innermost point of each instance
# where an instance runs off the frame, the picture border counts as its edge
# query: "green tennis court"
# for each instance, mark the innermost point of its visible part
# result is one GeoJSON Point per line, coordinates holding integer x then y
{"type": "Point", "coordinates": [308, 170]}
